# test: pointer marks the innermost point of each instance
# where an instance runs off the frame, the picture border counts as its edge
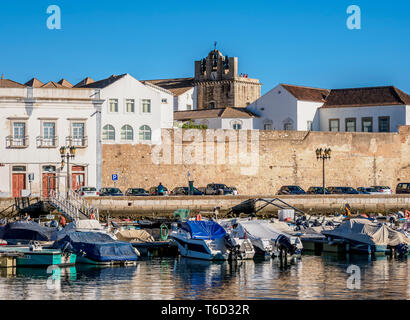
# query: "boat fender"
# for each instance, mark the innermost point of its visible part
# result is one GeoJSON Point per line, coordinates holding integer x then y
{"type": "Point", "coordinates": [164, 232]}
{"type": "Point", "coordinates": [407, 214]}
{"type": "Point", "coordinates": [198, 217]}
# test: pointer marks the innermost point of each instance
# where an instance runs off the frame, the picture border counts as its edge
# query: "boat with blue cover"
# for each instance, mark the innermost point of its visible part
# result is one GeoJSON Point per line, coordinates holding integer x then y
{"type": "Point", "coordinates": [23, 232]}
{"type": "Point", "coordinates": [97, 248]}
{"type": "Point", "coordinates": [208, 240]}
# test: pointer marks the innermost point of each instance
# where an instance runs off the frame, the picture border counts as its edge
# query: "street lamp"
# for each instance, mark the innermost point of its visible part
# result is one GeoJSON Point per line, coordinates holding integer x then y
{"type": "Point", "coordinates": [323, 154]}
{"type": "Point", "coordinates": [67, 153]}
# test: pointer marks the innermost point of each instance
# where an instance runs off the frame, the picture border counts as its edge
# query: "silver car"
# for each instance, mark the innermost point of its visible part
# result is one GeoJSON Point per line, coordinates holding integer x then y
{"type": "Point", "coordinates": [87, 192]}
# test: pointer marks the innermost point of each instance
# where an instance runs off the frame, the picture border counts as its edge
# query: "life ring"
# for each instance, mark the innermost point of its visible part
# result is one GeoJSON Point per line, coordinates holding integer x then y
{"type": "Point", "coordinates": [198, 217]}
{"type": "Point", "coordinates": [407, 214]}
{"type": "Point", "coordinates": [162, 228]}
{"type": "Point", "coordinates": [92, 216]}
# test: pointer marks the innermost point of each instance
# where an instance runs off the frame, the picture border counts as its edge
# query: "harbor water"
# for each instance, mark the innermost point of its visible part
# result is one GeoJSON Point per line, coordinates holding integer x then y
{"type": "Point", "coordinates": [311, 277]}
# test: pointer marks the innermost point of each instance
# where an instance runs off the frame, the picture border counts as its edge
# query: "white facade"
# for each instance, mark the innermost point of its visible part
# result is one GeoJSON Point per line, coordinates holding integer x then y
{"type": "Point", "coordinates": [34, 123]}
{"type": "Point", "coordinates": [395, 116]}
{"type": "Point", "coordinates": [185, 101]}
{"type": "Point", "coordinates": [280, 110]}
{"type": "Point", "coordinates": [134, 113]}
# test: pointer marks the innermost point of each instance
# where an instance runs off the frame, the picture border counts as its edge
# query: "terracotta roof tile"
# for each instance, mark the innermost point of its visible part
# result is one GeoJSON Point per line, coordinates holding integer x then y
{"type": "Point", "coordinates": [361, 97]}
{"type": "Point", "coordinates": [177, 86]}
{"type": "Point", "coordinates": [84, 82]}
{"type": "Point", "coordinates": [7, 83]}
{"type": "Point", "coordinates": [34, 82]}
{"type": "Point", "coordinates": [102, 83]}
{"type": "Point", "coordinates": [65, 83]}
{"type": "Point", "coordinates": [213, 113]}
{"type": "Point", "coordinates": [52, 84]}
{"type": "Point", "coordinates": [307, 93]}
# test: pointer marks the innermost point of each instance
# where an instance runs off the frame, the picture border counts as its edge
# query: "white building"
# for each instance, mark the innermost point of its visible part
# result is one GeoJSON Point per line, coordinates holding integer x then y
{"type": "Point", "coordinates": [376, 109]}
{"type": "Point", "coordinates": [288, 107]}
{"type": "Point", "coordinates": [132, 112]}
{"type": "Point", "coordinates": [183, 89]}
{"type": "Point", "coordinates": [34, 123]}
{"type": "Point", "coordinates": [223, 118]}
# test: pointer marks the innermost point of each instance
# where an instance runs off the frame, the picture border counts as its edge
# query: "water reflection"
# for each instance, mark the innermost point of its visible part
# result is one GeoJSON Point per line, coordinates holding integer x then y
{"type": "Point", "coordinates": [312, 277]}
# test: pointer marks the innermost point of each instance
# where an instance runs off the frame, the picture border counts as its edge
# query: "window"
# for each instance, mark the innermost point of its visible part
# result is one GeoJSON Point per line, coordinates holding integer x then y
{"type": "Point", "coordinates": [164, 100]}
{"type": "Point", "coordinates": [77, 134]}
{"type": "Point", "coordinates": [237, 126]}
{"type": "Point", "coordinates": [19, 133]}
{"type": "Point", "coordinates": [146, 105]}
{"type": "Point", "coordinates": [113, 105]}
{"type": "Point", "coordinates": [129, 105]}
{"type": "Point", "coordinates": [309, 125]}
{"type": "Point", "coordinates": [350, 125]}
{"type": "Point", "coordinates": [49, 132]}
{"type": "Point", "coordinates": [127, 133]}
{"type": "Point", "coordinates": [189, 107]}
{"type": "Point", "coordinates": [267, 126]}
{"type": "Point", "coordinates": [212, 105]}
{"type": "Point", "coordinates": [384, 124]}
{"type": "Point", "coordinates": [108, 133]}
{"type": "Point", "coordinates": [145, 133]}
{"type": "Point", "coordinates": [288, 126]}
{"type": "Point", "coordinates": [367, 124]}
{"type": "Point", "coordinates": [334, 125]}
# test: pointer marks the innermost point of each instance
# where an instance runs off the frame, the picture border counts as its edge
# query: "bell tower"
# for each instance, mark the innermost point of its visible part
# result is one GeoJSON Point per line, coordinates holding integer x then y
{"type": "Point", "coordinates": [219, 85]}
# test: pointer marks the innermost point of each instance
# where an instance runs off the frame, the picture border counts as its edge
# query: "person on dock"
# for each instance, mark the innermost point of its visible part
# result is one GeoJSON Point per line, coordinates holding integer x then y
{"type": "Point", "coordinates": [160, 189]}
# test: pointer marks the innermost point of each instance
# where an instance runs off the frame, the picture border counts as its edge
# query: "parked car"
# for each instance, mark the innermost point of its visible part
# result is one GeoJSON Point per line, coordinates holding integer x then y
{"type": "Point", "coordinates": [317, 190]}
{"type": "Point", "coordinates": [218, 189]}
{"type": "Point", "coordinates": [111, 192]}
{"type": "Point", "coordinates": [136, 192]}
{"type": "Point", "coordinates": [234, 190]}
{"type": "Point", "coordinates": [87, 192]}
{"type": "Point", "coordinates": [383, 189]}
{"type": "Point", "coordinates": [153, 191]}
{"type": "Point", "coordinates": [291, 190]}
{"type": "Point", "coordinates": [403, 188]}
{"type": "Point", "coordinates": [369, 190]}
{"type": "Point", "coordinates": [343, 190]}
{"type": "Point", "coordinates": [185, 191]}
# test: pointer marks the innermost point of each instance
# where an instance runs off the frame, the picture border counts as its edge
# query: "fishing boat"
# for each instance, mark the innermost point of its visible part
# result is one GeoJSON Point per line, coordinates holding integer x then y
{"type": "Point", "coordinates": [23, 232]}
{"type": "Point", "coordinates": [266, 237]}
{"type": "Point", "coordinates": [208, 240]}
{"type": "Point", "coordinates": [35, 255]}
{"type": "Point", "coordinates": [97, 248]}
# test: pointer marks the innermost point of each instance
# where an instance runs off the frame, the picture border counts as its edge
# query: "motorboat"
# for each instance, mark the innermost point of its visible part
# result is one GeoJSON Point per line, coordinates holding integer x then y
{"type": "Point", "coordinates": [24, 232]}
{"type": "Point", "coordinates": [268, 238]}
{"type": "Point", "coordinates": [208, 240]}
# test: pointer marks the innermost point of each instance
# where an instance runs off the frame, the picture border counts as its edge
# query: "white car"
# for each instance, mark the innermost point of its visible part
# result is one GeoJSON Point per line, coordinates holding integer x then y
{"type": "Point", "coordinates": [88, 192]}
{"type": "Point", "coordinates": [383, 189]}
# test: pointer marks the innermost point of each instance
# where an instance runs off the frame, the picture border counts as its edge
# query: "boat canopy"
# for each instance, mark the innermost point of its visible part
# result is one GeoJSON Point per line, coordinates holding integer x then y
{"type": "Point", "coordinates": [204, 230]}
{"type": "Point", "coordinates": [134, 235]}
{"type": "Point", "coordinates": [368, 232]}
{"type": "Point", "coordinates": [27, 230]}
{"type": "Point", "coordinates": [97, 246]}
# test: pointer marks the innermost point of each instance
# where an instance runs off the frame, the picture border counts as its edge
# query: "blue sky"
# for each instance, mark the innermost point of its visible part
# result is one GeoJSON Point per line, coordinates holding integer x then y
{"type": "Point", "coordinates": [296, 42]}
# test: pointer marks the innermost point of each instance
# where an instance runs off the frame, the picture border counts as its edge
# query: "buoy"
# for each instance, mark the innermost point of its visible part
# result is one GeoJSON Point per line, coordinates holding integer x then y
{"type": "Point", "coordinates": [164, 236]}
{"type": "Point", "coordinates": [198, 217]}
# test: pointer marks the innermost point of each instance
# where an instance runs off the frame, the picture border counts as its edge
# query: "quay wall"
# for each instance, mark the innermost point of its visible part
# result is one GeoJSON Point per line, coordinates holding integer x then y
{"type": "Point", "coordinates": [263, 163]}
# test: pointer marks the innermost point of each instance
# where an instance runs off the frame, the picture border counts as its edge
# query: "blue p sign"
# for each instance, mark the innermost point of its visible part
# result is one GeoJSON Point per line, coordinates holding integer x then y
{"type": "Point", "coordinates": [114, 177]}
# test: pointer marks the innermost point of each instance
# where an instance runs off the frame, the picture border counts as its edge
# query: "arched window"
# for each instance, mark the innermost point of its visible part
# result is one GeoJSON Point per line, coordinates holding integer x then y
{"type": "Point", "coordinates": [236, 125]}
{"type": "Point", "coordinates": [212, 105]}
{"type": "Point", "coordinates": [127, 133]}
{"type": "Point", "coordinates": [145, 133]}
{"type": "Point", "coordinates": [108, 133]}
{"type": "Point", "coordinates": [288, 124]}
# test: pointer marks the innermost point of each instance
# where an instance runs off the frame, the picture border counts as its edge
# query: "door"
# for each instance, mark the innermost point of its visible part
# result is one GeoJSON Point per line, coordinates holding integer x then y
{"type": "Point", "coordinates": [77, 177]}
{"type": "Point", "coordinates": [18, 184]}
{"type": "Point", "coordinates": [49, 183]}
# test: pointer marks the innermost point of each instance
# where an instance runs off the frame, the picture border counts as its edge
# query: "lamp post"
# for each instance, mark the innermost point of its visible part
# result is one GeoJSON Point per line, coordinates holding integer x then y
{"type": "Point", "coordinates": [323, 154]}
{"type": "Point", "coordinates": [67, 153]}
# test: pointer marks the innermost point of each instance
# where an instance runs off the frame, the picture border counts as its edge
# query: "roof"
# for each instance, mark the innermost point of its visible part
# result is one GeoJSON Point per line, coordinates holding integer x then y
{"type": "Point", "coordinates": [34, 82]}
{"type": "Point", "coordinates": [83, 82]}
{"type": "Point", "coordinates": [361, 97]}
{"type": "Point", "coordinates": [307, 93]}
{"type": "Point", "coordinates": [65, 83]}
{"type": "Point", "coordinates": [213, 113]}
{"type": "Point", "coordinates": [7, 83]}
{"type": "Point", "coordinates": [177, 86]}
{"type": "Point", "coordinates": [52, 84]}
{"type": "Point", "coordinates": [101, 83]}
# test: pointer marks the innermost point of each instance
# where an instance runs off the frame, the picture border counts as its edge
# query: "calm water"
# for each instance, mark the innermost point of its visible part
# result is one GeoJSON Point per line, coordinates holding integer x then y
{"type": "Point", "coordinates": [312, 277]}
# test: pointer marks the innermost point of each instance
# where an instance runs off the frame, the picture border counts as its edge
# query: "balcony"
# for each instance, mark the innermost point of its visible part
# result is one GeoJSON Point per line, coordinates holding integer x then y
{"type": "Point", "coordinates": [16, 142]}
{"type": "Point", "coordinates": [78, 142]}
{"type": "Point", "coordinates": [47, 142]}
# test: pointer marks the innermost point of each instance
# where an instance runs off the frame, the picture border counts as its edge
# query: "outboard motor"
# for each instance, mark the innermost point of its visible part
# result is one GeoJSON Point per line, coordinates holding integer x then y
{"type": "Point", "coordinates": [232, 246]}
{"type": "Point", "coordinates": [402, 249]}
{"type": "Point", "coordinates": [283, 244]}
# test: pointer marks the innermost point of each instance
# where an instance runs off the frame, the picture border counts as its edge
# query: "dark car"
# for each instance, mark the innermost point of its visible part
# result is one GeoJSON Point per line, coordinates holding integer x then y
{"type": "Point", "coordinates": [291, 190]}
{"type": "Point", "coordinates": [218, 189]}
{"type": "Point", "coordinates": [317, 190]}
{"type": "Point", "coordinates": [111, 192]}
{"type": "Point", "coordinates": [184, 191]}
{"type": "Point", "coordinates": [153, 191]}
{"type": "Point", "coordinates": [403, 188]}
{"type": "Point", "coordinates": [343, 190]}
{"type": "Point", "coordinates": [136, 192]}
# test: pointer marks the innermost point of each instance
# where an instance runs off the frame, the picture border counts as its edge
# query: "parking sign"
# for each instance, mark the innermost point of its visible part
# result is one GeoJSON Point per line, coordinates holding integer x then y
{"type": "Point", "coordinates": [114, 177]}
